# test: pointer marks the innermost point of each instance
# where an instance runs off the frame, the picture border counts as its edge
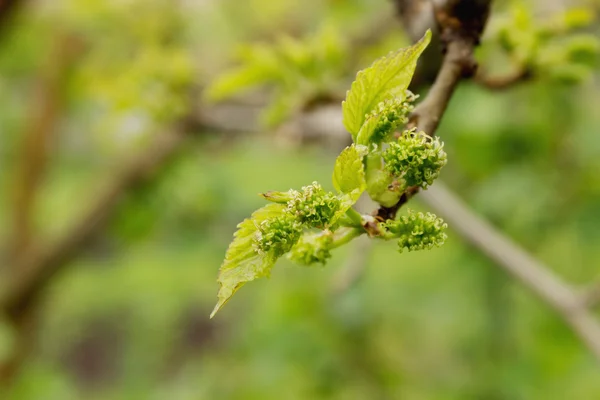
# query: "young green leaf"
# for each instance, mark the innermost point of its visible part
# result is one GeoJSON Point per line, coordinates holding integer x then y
{"type": "Point", "coordinates": [235, 81]}
{"type": "Point", "coordinates": [280, 197]}
{"type": "Point", "coordinates": [387, 78]}
{"type": "Point", "coordinates": [349, 177]}
{"type": "Point", "coordinates": [349, 172]}
{"type": "Point", "coordinates": [243, 263]}
{"type": "Point", "coordinates": [259, 65]}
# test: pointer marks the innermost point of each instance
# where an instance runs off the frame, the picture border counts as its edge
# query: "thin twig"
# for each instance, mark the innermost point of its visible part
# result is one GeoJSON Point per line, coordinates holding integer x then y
{"type": "Point", "coordinates": [427, 115]}
{"type": "Point", "coordinates": [7, 9]}
{"type": "Point", "coordinates": [32, 273]}
{"type": "Point", "coordinates": [517, 263]}
{"type": "Point", "coordinates": [37, 136]}
{"type": "Point", "coordinates": [503, 82]}
{"type": "Point", "coordinates": [590, 296]}
{"type": "Point", "coordinates": [35, 271]}
{"type": "Point", "coordinates": [45, 115]}
{"type": "Point", "coordinates": [460, 23]}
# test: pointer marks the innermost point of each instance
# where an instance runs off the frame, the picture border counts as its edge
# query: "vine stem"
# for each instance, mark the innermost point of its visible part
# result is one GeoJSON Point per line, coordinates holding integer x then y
{"type": "Point", "coordinates": [460, 23]}
{"type": "Point", "coordinates": [344, 236]}
{"type": "Point", "coordinates": [355, 217]}
{"type": "Point", "coordinates": [517, 263]}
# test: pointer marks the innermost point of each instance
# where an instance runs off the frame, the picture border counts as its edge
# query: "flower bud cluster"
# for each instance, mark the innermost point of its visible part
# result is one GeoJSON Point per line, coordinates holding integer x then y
{"type": "Point", "coordinates": [313, 206]}
{"type": "Point", "coordinates": [417, 231]}
{"type": "Point", "coordinates": [277, 235]}
{"type": "Point", "coordinates": [312, 249]}
{"type": "Point", "coordinates": [415, 158]}
{"type": "Point", "coordinates": [390, 114]}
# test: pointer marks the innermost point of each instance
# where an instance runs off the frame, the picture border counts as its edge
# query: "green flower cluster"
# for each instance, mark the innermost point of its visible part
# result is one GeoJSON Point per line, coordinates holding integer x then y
{"type": "Point", "coordinates": [277, 235]}
{"type": "Point", "coordinates": [308, 224]}
{"type": "Point", "coordinates": [313, 206]}
{"type": "Point", "coordinates": [415, 158]}
{"type": "Point", "coordinates": [417, 231]}
{"type": "Point", "coordinates": [389, 115]}
{"type": "Point", "coordinates": [312, 248]}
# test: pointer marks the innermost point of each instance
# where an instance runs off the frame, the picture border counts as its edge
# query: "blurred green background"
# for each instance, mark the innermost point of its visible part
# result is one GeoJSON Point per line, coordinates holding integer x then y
{"type": "Point", "coordinates": [128, 318]}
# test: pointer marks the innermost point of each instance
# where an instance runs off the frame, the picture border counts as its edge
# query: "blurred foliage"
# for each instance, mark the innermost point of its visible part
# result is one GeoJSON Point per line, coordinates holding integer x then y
{"type": "Point", "coordinates": [300, 71]}
{"type": "Point", "coordinates": [557, 47]}
{"type": "Point", "coordinates": [129, 319]}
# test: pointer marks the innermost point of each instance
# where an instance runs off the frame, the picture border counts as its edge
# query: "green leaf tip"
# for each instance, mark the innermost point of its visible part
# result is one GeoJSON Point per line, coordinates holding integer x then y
{"type": "Point", "coordinates": [387, 78]}
{"type": "Point", "coordinates": [348, 171]}
{"type": "Point", "coordinates": [278, 197]}
{"type": "Point", "coordinates": [249, 256]}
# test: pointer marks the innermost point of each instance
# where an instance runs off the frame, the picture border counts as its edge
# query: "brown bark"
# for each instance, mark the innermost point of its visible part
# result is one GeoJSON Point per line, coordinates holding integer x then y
{"type": "Point", "coordinates": [37, 138]}
{"type": "Point", "coordinates": [460, 24]}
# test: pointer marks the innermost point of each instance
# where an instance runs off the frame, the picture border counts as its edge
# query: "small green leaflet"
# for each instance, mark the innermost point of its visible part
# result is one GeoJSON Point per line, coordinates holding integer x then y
{"type": "Point", "coordinates": [349, 177]}
{"type": "Point", "coordinates": [235, 81]}
{"type": "Point", "coordinates": [349, 172]}
{"type": "Point", "coordinates": [278, 197]}
{"type": "Point", "coordinates": [242, 262]}
{"type": "Point", "coordinates": [259, 65]}
{"type": "Point", "coordinates": [366, 131]}
{"type": "Point", "coordinates": [387, 78]}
